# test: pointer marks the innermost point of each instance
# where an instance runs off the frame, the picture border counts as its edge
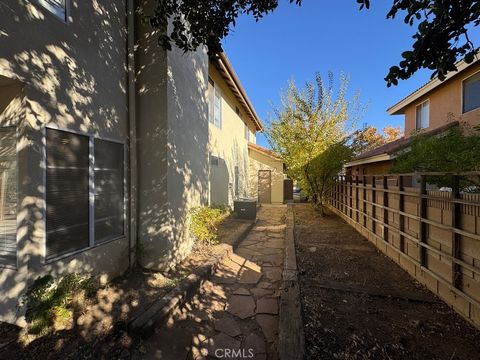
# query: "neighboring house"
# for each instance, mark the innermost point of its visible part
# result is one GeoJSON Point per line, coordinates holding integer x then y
{"type": "Point", "coordinates": [431, 109]}
{"type": "Point", "coordinates": [107, 142]}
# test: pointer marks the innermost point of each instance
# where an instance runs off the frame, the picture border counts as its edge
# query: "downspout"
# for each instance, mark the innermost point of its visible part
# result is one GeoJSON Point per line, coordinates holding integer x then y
{"type": "Point", "coordinates": [132, 135]}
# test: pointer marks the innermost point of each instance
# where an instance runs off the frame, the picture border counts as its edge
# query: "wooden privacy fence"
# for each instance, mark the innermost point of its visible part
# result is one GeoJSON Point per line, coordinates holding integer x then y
{"type": "Point", "coordinates": [432, 234]}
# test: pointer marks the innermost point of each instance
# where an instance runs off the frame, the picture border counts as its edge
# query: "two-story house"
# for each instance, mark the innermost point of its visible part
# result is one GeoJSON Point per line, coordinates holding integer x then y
{"type": "Point", "coordinates": [431, 109]}
{"type": "Point", "coordinates": [107, 141]}
{"type": "Point", "coordinates": [239, 168]}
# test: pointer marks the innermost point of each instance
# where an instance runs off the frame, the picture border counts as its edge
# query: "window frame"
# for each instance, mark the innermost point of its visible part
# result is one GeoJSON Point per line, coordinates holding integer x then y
{"type": "Point", "coordinates": [417, 127]}
{"type": "Point", "coordinates": [462, 89]}
{"type": "Point", "coordinates": [246, 131]}
{"type": "Point", "coordinates": [216, 158]}
{"type": "Point", "coordinates": [91, 194]}
{"type": "Point", "coordinates": [51, 10]}
{"type": "Point", "coordinates": [15, 266]}
{"type": "Point", "coordinates": [216, 93]}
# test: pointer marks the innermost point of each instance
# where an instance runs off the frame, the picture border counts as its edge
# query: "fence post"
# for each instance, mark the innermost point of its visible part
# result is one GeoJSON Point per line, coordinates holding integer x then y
{"type": "Point", "coordinates": [401, 209]}
{"type": "Point", "coordinates": [374, 204]}
{"type": "Point", "coordinates": [456, 221]}
{"type": "Point", "coordinates": [385, 208]}
{"type": "Point", "coordinates": [364, 200]}
{"type": "Point", "coordinates": [422, 233]}
{"type": "Point", "coordinates": [350, 185]}
{"type": "Point", "coordinates": [342, 194]}
{"type": "Point", "coordinates": [357, 207]}
{"type": "Point", "coordinates": [334, 197]}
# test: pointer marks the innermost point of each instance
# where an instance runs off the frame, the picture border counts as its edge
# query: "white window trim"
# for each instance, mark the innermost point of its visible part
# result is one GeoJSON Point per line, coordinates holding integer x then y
{"type": "Point", "coordinates": [7, 266]}
{"type": "Point", "coordinates": [91, 179]}
{"type": "Point", "coordinates": [416, 117]}
{"type": "Point", "coordinates": [462, 91]}
{"type": "Point", "coordinates": [63, 17]}
{"type": "Point", "coordinates": [246, 132]}
{"type": "Point", "coordinates": [216, 93]}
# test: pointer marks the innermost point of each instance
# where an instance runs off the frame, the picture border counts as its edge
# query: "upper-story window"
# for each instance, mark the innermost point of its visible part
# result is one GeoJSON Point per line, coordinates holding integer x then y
{"type": "Point", "coordinates": [56, 7]}
{"type": "Point", "coordinates": [214, 104]}
{"type": "Point", "coordinates": [247, 132]}
{"type": "Point", "coordinates": [471, 93]}
{"type": "Point", "coordinates": [422, 116]}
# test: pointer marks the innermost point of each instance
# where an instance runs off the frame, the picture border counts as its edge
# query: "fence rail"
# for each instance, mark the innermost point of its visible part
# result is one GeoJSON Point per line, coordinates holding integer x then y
{"type": "Point", "coordinates": [433, 234]}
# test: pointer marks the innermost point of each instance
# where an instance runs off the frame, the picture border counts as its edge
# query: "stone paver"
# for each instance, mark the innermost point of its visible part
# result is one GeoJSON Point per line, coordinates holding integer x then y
{"type": "Point", "coordinates": [220, 342]}
{"type": "Point", "coordinates": [273, 273]}
{"type": "Point", "coordinates": [267, 305]}
{"type": "Point", "coordinates": [249, 276]}
{"type": "Point", "coordinates": [259, 292]}
{"type": "Point", "coordinates": [255, 343]}
{"type": "Point", "coordinates": [241, 306]}
{"type": "Point", "coordinates": [238, 308]}
{"type": "Point", "coordinates": [241, 291]}
{"type": "Point", "coordinates": [269, 325]}
{"type": "Point", "coordinates": [228, 326]}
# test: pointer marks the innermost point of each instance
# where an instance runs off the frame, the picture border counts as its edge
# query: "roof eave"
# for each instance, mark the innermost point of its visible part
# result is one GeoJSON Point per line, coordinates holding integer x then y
{"type": "Point", "coordinates": [371, 159]}
{"type": "Point", "coordinates": [263, 152]}
{"type": "Point", "coordinates": [233, 81]}
{"type": "Point", "coordinates": [399, 108]}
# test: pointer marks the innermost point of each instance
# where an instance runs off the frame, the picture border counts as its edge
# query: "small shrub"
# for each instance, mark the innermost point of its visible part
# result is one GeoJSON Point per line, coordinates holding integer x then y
{"type": "Point", "coordinates": [47, 301]}
{"type": "Point", "coordinates": [204, 223]}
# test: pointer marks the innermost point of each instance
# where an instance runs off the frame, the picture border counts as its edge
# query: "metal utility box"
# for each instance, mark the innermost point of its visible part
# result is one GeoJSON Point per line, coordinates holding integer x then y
{"type": "Point", "coordinates": [245, 209]}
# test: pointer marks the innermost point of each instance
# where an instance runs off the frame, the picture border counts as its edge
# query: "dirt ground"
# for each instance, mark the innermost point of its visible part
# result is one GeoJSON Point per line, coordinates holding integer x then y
{"type": "Point", "coordinates": [358, 304]}
{"type": "Point", "coordinates": [99, 331]}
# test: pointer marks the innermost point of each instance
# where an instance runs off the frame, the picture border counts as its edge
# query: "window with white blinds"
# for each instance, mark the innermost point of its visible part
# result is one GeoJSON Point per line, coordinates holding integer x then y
{"type": "Point", "coordinates": [56, 7]}
{"type": "Point", "coordinates": [84, 192]}
{"type": "Point", "coordinates": [214, 104]}
{"type": "Point", "coordinates": [8, 196]}
{"type": "Point", "coordinates": [109, 192]}
{"type": "Point", "coordinates": [67, 192]}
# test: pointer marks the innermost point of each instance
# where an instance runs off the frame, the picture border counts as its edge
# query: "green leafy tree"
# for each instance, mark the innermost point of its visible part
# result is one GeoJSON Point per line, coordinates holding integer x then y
{"type": "Point", "coordinates": [309, 123]}
{"type": "Point", "coordinates": [326, 167]}
{"type": "Point", "coordinates": [441, 37]}
{"type": "Point", "coordinates": [450, 152]}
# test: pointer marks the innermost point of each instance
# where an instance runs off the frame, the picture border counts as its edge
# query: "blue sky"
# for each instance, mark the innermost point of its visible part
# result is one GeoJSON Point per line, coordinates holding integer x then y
{"type": "Point", "coordinates": [295, 42]}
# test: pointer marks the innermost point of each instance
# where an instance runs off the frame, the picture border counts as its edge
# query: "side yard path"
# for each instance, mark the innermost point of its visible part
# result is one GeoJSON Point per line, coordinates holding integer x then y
{"type": "Point", "coordinates": [358, 304]}
{"type": "Point", "coordinates": [235, 313]}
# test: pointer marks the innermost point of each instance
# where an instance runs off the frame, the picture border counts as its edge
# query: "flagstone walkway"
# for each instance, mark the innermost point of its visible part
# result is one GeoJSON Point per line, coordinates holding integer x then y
{"type": "Point", "coordinates": [235, 313]}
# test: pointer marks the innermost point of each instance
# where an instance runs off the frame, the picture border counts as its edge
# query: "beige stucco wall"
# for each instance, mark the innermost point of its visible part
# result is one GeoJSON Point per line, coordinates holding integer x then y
{"type": "Point", "coordinates": [375, 168]}
{"type": "Point", "coordinates": [70, 76]}
{"type": "Point", "coordinates": [173, 146]}
{"type": "Point", "coordinates": [229, 144]}
{"type": "Point", "coordinates": [445, 104]}
{"type": "Point", "coordinates": [260, 161]}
